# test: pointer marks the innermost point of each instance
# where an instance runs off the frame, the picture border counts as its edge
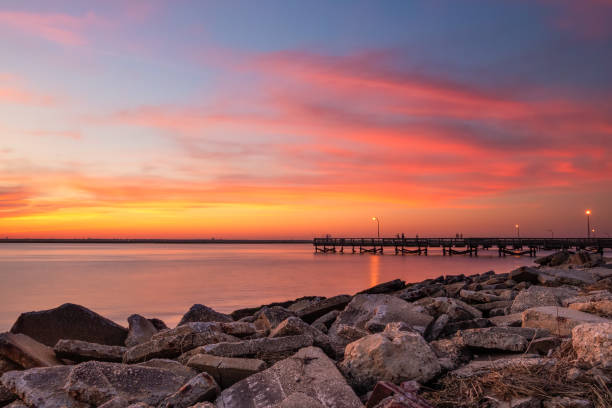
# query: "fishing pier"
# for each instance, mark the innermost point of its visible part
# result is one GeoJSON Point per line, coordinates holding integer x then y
{"type": "Point", "coordinates": [458, 246]}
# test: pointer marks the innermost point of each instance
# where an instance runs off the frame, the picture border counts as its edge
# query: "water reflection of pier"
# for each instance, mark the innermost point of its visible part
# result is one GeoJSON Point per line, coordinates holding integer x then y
{"type": "Point", "coordinates": [458, 246]}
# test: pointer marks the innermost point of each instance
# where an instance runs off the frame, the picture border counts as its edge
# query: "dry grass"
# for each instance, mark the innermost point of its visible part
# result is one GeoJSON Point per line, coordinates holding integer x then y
{"type": "Point", "coordinates": [520, 381]}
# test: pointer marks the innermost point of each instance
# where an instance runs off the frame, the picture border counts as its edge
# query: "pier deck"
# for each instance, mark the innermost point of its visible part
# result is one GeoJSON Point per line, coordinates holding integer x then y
{"type": "Point", "coordinates": [458, 246]}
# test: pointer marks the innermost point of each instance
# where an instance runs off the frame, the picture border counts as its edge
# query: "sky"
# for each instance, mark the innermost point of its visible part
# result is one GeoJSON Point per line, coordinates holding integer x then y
{"type": "Point", "coordinates": [295, 119]}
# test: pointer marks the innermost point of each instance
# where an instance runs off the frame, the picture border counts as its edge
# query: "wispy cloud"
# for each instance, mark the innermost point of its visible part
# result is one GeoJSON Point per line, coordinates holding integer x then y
{"type": "Point", "coordinates": [60, 28]}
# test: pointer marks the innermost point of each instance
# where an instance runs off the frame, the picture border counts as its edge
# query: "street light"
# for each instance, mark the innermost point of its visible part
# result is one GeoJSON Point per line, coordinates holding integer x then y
{"type": "Point", "coordinates": [588, 214]}
{"type": "Point", "coordinates": [552, 234]}
{"type": "Point", "coordinates": [518, 231]}
{"type": "Point", "coordinates": [378, 224]}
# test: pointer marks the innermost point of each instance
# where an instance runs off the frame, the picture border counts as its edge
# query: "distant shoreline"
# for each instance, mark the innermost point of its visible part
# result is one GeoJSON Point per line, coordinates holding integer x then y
{"type": "Point", "coordinates": [151, 241]}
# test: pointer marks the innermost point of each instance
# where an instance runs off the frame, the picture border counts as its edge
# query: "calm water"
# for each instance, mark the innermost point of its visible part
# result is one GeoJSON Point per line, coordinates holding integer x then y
{"type": "Point", "coordinates": [165, 280]}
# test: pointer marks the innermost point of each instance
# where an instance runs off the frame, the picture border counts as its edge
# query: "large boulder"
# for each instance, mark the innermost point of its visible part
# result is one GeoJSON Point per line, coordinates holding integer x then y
{"type": "Point", "coordinates": [42, 387]}
{"type": "Point", "coordinates": [172, 343]}
{"type": "Point", "coordinates": [26, 352]}
{"type": "Point", "coordinates": [226, 370]}
{"type": "Point", "coordinates": [392, 355]}
{"type": "Point", "coordinates": [541, 296]}
{"type": "Point", "coordinates": [601, 308]}
{"type": "Point", "coordinates": [201, 313]}
{"type": "Point", "coordinates": [140, 330]}
{"type": "Point", "coordinates": [592, 343]}
{"type": "Point", "coordinates": [558, 320]}
{"type": "Point", "coordinates": [96, 383]}
{"type": "Point", "coordinates": [555, 259]}
{"type": "Point", "coordinates": [77, 350]}
{"type": "Point", "coordinates": [70, 321]}
{"type": "Point", "coordinates": [306, 379]}
{"type": "Point", "coordinates": [373, 312]}
{"type": "Point", "coordinates": [558, 277]}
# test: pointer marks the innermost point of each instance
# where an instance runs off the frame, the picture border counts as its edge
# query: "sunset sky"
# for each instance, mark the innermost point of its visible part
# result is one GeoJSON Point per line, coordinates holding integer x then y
{"type": "Point", "coordinates": [294, 119]}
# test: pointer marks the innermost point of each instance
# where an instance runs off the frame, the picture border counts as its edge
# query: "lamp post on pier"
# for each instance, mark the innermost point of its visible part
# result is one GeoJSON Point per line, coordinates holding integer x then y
{"type": "Point", "coordinates": [552, 234]}
{"type": "Point", "coordinates": [518, 231]}
{"type": "Point", "coordinates": [377, 224]}
{"type": "Point", "coordinates": [588, 214]}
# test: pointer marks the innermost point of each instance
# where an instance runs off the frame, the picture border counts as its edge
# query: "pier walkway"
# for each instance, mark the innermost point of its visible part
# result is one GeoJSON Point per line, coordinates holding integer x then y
{"type": "Point", "coordinates": [458, 246]}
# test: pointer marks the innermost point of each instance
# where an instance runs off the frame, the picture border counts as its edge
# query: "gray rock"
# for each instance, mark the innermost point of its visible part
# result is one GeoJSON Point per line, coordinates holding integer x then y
{"type": "Point", "coordinates": [511, 320]}
{"type": "Point", "coordinates": [601, 308]}
{"type": "Point", "coordinates": [541, 296]}
{"type": "Point", "coordinates": [96, 383]}
{"type": "Point", "coordinates": [26, 352]}
{"type": "Point", "coordinates": [172, 343]}
{"type": "Point", "coordinates": [140, 330]}
{"type": "Point", "coordinates": [17, 404]}
{"type": "Point", "coordinates": [543, 345]}
{"type": "Point", "coordinates": [175, 367]}
{"type": "Point", "coordinates": [558, 320]}
{"type": "Point", "coordinates": [478, 368]}
{"type": "Point", "coordinates": [7, 365]}
{"type": "Point", "coordinates": [77, 350]}
{"type": "Point", "coordinates": [200, 388]}
{"type": "Point", "coordinates": [500, 338]}
{"type": "Point", "coordinates": [385, 287]}
{"type": "Point", "coordinates": [456, 309]}
{"type": "Point", "coordinates": [324, 322]}
{"type": "Point", "coordinates": [69, 321]}
{"type": "Point", "coordinates": [392, 355]}
{"type": "Point", "coordinates": [265, 349]}
{"type": "Point", "coordinates": [313, 312]}
{"type": "Point", "coordinates": [295, 326]}
{"type": "Point", "coordinates": [239, 329]}
{"type": "Point", "coordinates": [435, 330]}
{"type": "Point", "coordinates": [478, 296]}
{"type": "Point", "coordinates": [201, 313]}
{"type": "Point", "coordinates": [567, 402]}
{"type": "Point", "coordinates": [309, 373]}
{"type": "Point", "coordinates": [6, 395]}
{"type": "Point", "coordinates": [558, 277]}
{"type": "Point", "coordinates": [452, 327]}
{"type": "Point", "coordinates": [500, 304]}
{"type": "Point", "coordinates": [42, 387]}
{"type": "Point", "coordinates": [303, 303]}
{"type": "Point", "coordinates": [451, 352]}
{"type": "Point", "coordinates": [349, 334]}
{"type": "Point", "coordinates": [373, 312]}
{"type": "Point", "coordinates": [525, 274]}
{"type": "Point", "coordinates": [556, 259]}
{"type": "Point", "coordinates": [593, 343]}
{"type": "Point", "coordinates": [270, 317]}
{"type": "Point", "coordinates": [159, 324]}
{"type": "Point", "coordinates": [226, 370]}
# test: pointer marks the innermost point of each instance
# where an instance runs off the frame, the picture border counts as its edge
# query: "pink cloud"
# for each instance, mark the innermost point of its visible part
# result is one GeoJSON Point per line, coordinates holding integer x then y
{"type": "Point", "coordinates": [59, 28]}
{"type": "Point", "coordinates": [14, 90]}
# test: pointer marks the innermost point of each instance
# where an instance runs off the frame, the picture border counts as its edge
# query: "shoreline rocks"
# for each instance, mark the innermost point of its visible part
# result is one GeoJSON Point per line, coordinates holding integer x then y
{"type": "Point", "coordinates": [392, 345]}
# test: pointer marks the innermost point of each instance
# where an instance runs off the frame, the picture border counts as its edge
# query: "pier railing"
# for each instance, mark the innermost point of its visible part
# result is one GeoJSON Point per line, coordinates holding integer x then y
{"type": "Point", "coordinates": [510, 246]}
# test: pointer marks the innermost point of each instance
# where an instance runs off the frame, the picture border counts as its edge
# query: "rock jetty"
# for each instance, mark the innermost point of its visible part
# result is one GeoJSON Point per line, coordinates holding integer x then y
{"type": "Point", "coordinates": [533, 337]}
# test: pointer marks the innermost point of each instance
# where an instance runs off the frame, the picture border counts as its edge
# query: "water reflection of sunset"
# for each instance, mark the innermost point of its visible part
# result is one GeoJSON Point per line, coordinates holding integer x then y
{"type": "Point", "coordinates": [374, 269]}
